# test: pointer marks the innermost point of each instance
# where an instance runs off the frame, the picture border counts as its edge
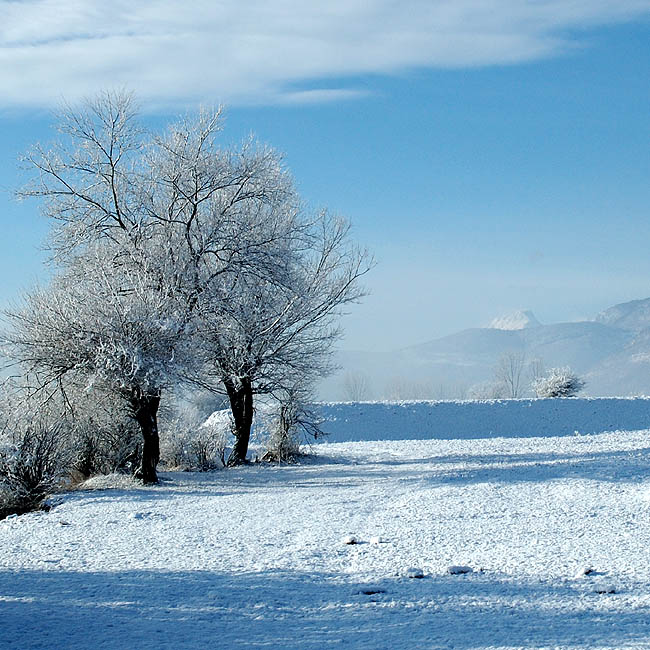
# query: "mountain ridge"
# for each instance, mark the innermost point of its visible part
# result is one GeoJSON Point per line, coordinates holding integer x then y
{"type": "Point", "coordinates": [611, 353]}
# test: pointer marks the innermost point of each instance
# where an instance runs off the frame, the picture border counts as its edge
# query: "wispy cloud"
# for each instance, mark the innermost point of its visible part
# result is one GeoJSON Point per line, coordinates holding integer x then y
{"type": "Point", "coordinates": [260, 51]}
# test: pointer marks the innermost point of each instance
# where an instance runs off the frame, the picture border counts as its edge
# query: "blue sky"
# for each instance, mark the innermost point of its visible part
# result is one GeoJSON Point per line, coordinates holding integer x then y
{"type": "Point", "coordinates": [494, 155]}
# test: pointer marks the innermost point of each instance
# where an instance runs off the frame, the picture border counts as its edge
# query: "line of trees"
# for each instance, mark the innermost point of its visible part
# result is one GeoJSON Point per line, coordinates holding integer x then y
{"type": "Point", "coordinates": [177, 262]}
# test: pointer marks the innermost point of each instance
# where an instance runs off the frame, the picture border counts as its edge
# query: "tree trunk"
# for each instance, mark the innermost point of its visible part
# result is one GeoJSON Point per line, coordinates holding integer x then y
{"type": "Point", "coordinates": [240, 394]}
{"type": "Point", "coordinates": [145, 411]}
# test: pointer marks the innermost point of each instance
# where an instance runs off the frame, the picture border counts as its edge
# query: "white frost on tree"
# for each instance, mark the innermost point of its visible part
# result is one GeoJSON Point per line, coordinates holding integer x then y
{"type": "Point", "coordinates": [268, 333]}
{"type": "Point", "coordinates": [559, 382]}
{"type": "Point", "coordinates": [101, 324]}
{"type": "Point", "coordinates": [179, 261]}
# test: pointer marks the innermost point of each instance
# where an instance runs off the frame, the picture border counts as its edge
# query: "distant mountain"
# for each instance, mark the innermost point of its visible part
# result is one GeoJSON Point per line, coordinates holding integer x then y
{"type": "Point", "coordinates": [611, 352]}
{"type": "Point", "coordinates": [633, 315]}
{"type": "Point", "coordinates": [519, 320]}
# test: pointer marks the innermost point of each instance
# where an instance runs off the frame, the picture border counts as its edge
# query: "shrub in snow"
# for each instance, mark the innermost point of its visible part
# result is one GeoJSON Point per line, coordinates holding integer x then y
{"type": "Point", "coordinates": [559, 382]}
{"type": "Point", "coordinates": [288, 422]}
{"type": "Point", "coordinates": [487, 390]}
{"type": "Point", "coordinates": [32, 462]}
{"type": "Point", "coordinates": [283, 442]}
{"type": "Point", "coordinates": [188, 443]}
{"type": "Point", "coordinates": [100, 437]}
{"type": "Point", "coordinates": [105, 443]}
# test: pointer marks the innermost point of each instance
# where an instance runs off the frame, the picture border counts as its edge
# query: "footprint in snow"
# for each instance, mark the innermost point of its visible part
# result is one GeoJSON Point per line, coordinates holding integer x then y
{"type": "Point", "coordinates": [148, 515]}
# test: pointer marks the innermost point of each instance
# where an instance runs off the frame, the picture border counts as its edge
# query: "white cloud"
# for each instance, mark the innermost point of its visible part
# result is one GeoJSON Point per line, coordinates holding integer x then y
{"type": "Point", "coordinates": [261, 51]}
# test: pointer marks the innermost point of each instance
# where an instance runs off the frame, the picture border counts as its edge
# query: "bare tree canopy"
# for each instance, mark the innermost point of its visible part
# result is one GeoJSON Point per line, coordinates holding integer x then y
{"type": "Point", "coordinates": [356, 386]}
{"type": "Point", "coordinates": [509, 373]}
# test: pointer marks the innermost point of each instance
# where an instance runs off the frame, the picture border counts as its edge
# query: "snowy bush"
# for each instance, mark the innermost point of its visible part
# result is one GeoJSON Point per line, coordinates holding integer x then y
{"type": "Point", "coordinates": [283, 442]}
{"type": "Point", "coordinates": [101, 449]}
{"type": "Point", "coordinates": [189, 443]}
{"type": "Point", "coordinates": [487, 390]}
{"type": "Point", "coordinates": [32, 462]}
{"type": "Point", "coordinates": [291, 421]}
{"type": "Point", "coordinates": [103, 438]}
{"type": "Point", "coordinates": [559, 382]}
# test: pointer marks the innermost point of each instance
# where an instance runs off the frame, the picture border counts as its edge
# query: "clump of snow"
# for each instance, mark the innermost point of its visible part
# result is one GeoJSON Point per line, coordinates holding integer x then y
{"type": "Point", "coordinates": [459, 569]}
{"type": "Point", "coordinates": [518, 320]}
{"type": "Point", "coordinates": [414, 572]}
{"type": "Point", "coordinates": [350, 539]}
{"type": "Point", "coordinates": [372, 591]}
{"type": "Point", "coordinates": [376, 539]}
{"type": "Point", "coordinates": [587, 571]}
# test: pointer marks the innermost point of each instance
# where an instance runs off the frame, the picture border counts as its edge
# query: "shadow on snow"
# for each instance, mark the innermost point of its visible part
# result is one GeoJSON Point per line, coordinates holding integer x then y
{"type": "Point", "coordinates": [147, 609]}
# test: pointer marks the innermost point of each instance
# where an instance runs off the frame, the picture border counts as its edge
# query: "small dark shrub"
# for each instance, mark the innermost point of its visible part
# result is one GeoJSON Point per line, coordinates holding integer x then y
{"type": "Point", "coordinates": [30, 467]}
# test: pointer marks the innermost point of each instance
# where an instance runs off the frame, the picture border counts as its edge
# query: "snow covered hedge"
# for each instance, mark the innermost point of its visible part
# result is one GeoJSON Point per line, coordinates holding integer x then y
{"type": "Point", "coordinates": [451, 420]}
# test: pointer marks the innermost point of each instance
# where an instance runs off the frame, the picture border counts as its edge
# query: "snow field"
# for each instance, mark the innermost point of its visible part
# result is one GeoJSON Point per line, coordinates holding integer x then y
{"type": "Point", "coordinates": [255, 557]}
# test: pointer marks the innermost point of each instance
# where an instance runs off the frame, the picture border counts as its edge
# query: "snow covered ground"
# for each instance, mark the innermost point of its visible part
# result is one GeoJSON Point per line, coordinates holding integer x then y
{"type": "Point", "coordinates": [556, 531]}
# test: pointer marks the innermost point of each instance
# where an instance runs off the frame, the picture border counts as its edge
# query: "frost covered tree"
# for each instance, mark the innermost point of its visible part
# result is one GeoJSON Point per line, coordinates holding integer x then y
{"type": "Point", "coordinates": [143, 225]}
{"type": "Point", "coordinates": [559, 382]}
{"type": "Point", "coordinates": [158, 236]}
{"type": "Point", "coordinates": [272, 331]}
{"type": "Point", "coordinates": [536, 369]}
{"type": "Point", "coordinates": [102, 325]}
